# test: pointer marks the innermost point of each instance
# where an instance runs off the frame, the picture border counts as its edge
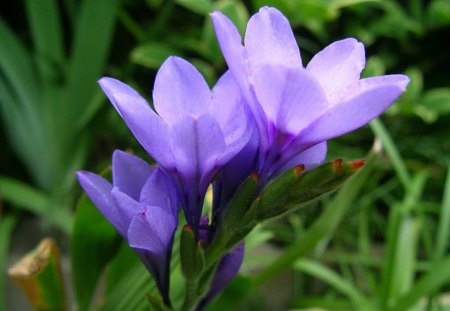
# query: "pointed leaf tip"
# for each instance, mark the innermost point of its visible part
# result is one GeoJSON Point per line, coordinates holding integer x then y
{"type": "Point", "coordinates": [357, 164]}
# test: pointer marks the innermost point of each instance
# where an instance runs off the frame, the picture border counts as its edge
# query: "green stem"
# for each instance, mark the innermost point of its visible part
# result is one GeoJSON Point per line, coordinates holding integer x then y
{"type": "Point", "coordinates": [191, 295]}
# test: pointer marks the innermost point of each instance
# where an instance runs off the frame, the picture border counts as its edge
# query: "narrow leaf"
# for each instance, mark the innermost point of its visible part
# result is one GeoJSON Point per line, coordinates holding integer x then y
{"type": "Point", "coordinates": [93, 244]}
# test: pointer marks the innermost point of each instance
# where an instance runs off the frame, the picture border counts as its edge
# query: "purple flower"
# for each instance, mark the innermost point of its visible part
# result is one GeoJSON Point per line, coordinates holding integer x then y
{"type": "Point", "coordinates": [298, 109]}
{"type": "Point", "coordinates": [142, 204]}
{"type": "Point", "coordinates": [194, 132]}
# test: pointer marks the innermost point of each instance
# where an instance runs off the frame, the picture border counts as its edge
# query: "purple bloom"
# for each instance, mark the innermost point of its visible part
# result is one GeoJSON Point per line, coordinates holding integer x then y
{"type": "Point", "coordinates": [194, 132]}
{"type": "Point", "coordinates": [142, 204]}
{"type": "Point", "coordinates": [298, 109]}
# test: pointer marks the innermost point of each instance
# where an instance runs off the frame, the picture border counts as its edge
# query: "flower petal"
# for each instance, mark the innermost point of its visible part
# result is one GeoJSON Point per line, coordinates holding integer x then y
{"type": "Point", "coordinates": [127, 208]}
{"type": "Point", "coordinates": [98, 190]}
{"type": "Point", "coordinates": [310, 158]}
{"type": "Point", "coordinates": [129, 173]}
{"type": "Point", "coordinates": [180, 90]}
{"type": "Point", "coordinates": [368, 100]}
{"type": "Point", "coordinates": [146, 125]}
{"type": "Point", "coordinates": [196, 144]}
{"type": "Point", "coordinates": [338, 65]}
{"type": "Point", "coordinates": [152, 230]}
{"type": "Point", "coordinates": [229, 109]}
{"type": "Point", "coordinates": [159, 190]}
{"type": "Point", "coordinates": [269, 40]}
{"type": "Point", "coordinates": [291, 98]}
{"type": "Point", "coordinates": [230, 42]}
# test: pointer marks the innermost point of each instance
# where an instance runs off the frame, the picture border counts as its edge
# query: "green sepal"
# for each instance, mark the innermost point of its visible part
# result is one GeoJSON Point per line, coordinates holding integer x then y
{"type": "Point", "coordinates": [236, 211]}
{"type": "Point", "coordinates": [191, 254]}
{"type": "Point", "coordinates": [236, 221]}
{"type": "Point", "coordinates": [296, 188]}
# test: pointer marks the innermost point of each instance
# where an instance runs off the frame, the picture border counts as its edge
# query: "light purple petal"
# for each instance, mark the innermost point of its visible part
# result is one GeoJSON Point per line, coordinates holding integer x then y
{"type": "Point", "coordinates": [152, 230]}
{"type": "Point", "coordinates": [229, 109]}
{"type": "Point", "coordinates": [129, 173]}
{"type": "Point", "coordinates": [147, 127]}
{"type": "Point", "coordinates": [230, 42]}
{"type": "Point", "coordinates": [369, 99]}
{"type": "Point", "coordinates": [291, 98]}
{"type": "Point", "coordinates": [269, 40]}
{"type": "Point", "coordinates": [127, 208]}
{"type": "Point", "coordinates": [310, 158]}
{"type": "Point", "coordinates": [180, 91]}
{"type": "Point", "coordinates": [226, 271]}
{"type": "Point", "coordinates": [98, 190]}
{"type": "Point", "coordinates": [159, 190]}
{"type": "Point", "coordinates": [196, 144]}
{"type": "Point", "coordinates": [338, 65]}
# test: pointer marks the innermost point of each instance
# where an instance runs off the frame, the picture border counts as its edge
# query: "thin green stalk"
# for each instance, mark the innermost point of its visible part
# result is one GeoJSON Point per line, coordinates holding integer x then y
{"type": "Point", "coordinates": [392, 151]}
{"type": "Point", "coordinates": [324, 226]}
{"type": "Point", "coordinates": [443, 231]}
{"type": "Point", "coordinates": [7, 224]}
{"type": "Point", "coordinates": [191, 295]}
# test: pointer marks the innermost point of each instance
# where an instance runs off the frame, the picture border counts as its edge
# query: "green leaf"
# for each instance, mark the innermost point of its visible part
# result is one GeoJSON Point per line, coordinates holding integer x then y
{"type": "Point", "coordinates": [35, 201]}
{"type": "Point", "coordinates": [94, 30]}
{"type": "Point", "coordinates": [152, 54]}
{"type": "Point", "coordinates": [427, 284]}
{"type": "Point", "coordinates": [202, 7]}
{"type": "Point", "coordinates": [339, 283]}
{"type": "Point", "coordinates": [46, 30]}
{"type": "Point", "coordinates": [38, 275]}
{"type": "Point", "coordinates": [7, 224]}
{"type": "Point", "coordinates": [93, 244]}
{"type": "Point", "coordinates": [127, 283]}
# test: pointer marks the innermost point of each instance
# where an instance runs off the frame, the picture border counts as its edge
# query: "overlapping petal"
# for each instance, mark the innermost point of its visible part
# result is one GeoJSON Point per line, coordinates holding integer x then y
{"type": "Point", "coordinates": [297, 108]}
{"type": "Point", "coordinates": [148, 128]}
{"type": "Point", "coordinates": [269, 40]}
{"type": "Point", "coordinates": [180, 91]}
{"type": "Point", "coordinates": [191, 135]}
{"type": "Point", "coordinates": [142, 204]}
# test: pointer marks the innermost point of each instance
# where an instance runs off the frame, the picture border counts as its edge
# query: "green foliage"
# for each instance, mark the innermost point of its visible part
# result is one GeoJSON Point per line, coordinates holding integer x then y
{"type": "Point", "coordinates": [94, 242]}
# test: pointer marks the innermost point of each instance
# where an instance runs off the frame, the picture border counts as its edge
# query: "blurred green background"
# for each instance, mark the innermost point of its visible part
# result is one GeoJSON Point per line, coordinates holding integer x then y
{"type": "Point", "coordinates": [380, 243]}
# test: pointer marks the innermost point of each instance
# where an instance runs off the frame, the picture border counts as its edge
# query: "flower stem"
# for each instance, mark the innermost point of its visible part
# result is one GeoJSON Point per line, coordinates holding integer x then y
{"type": "Point", "coordinates": [191, 295]}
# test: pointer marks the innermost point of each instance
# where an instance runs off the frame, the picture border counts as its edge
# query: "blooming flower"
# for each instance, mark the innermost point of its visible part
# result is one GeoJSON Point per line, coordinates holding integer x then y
{"type": "Point", "coordinates": [141, 203]}
{"type": "Point", "coordinates": [298, 109]}
{"type": "Point", "coordinates": [194, 132]}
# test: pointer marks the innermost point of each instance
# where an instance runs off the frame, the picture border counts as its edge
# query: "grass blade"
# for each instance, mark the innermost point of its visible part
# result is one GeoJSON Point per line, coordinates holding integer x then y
{"type": "Point", "coordinates": [7, 224]}
{"type": "Point", "coordinates": [340, 284]}
{"type": "Point", "coordinates": [392, 151]}
{"type": "Point", "coordinates": [94, 30]}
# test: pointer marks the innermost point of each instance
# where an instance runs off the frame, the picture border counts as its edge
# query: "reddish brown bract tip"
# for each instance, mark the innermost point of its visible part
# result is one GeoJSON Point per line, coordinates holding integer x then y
{"type": "Point", "coordinates": [254, 176]}
{"type": "Point", "coordinates": [357, 164]}
{"type": "Point", "coordinates": [187, 228]}
{"type": "Point", "coordinates": [298, 169]}
{"type": "Point", "coordinates": [337, 165]}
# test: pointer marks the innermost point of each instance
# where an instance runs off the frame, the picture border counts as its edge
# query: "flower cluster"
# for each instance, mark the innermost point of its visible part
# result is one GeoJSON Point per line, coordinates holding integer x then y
{"type": "Point", "coordinates": [266, 114]}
